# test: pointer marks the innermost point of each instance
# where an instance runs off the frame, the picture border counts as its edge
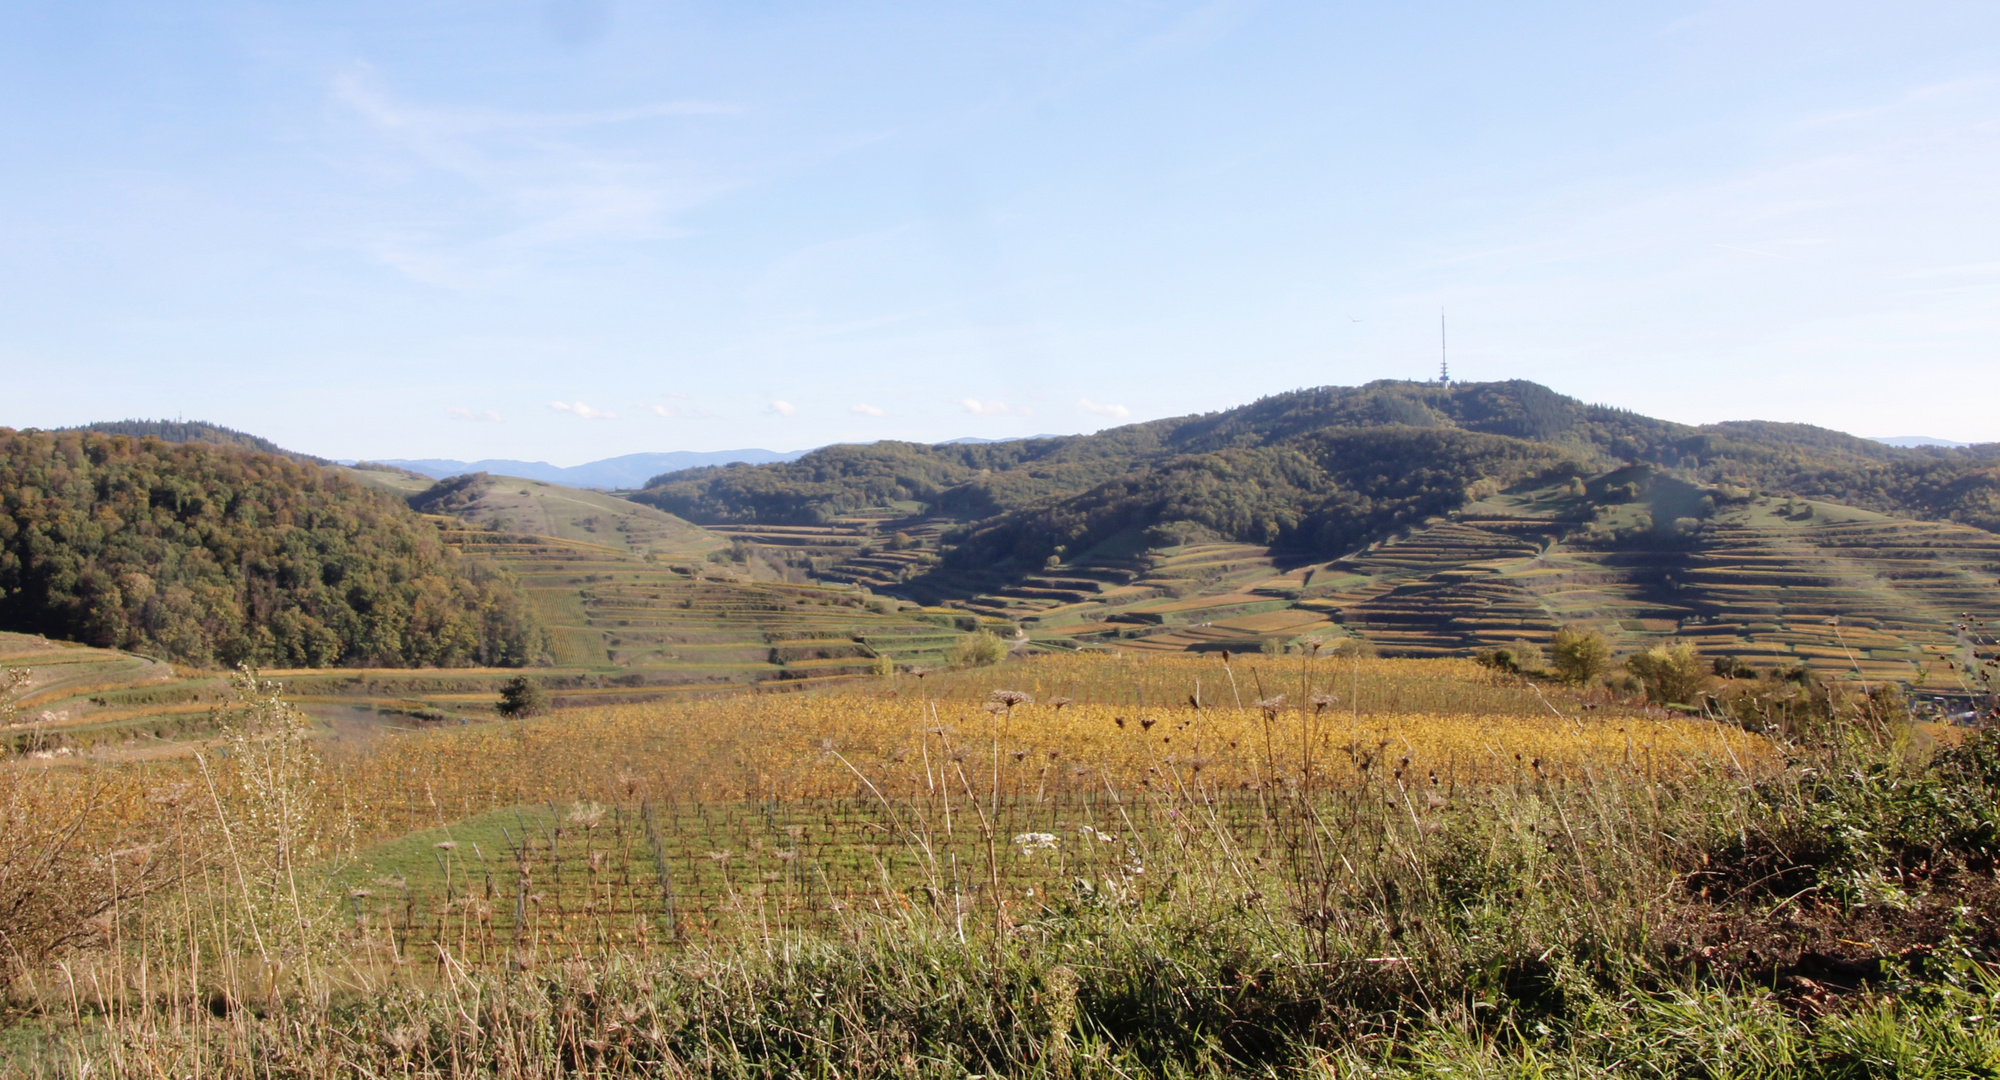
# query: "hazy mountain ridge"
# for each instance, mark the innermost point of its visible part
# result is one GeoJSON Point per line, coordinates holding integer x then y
{"type": "Point", "coordinates": [1910, 442]}
{"type": "Point", "coordinates": [624, 471]}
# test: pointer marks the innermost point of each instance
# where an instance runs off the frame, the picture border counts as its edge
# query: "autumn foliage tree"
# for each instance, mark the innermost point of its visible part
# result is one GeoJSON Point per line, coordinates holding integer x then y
{"type": "Point", "coordinates": [215, 555]}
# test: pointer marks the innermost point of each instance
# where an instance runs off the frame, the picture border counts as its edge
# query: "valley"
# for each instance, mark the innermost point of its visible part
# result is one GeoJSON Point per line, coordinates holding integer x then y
{"type": "Point", "coordinates": [1440, 533]}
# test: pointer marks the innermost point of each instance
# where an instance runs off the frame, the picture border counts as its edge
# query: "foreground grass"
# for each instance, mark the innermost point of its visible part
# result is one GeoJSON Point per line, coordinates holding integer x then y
{"type": "Point", "coordinates": [1824, 907]}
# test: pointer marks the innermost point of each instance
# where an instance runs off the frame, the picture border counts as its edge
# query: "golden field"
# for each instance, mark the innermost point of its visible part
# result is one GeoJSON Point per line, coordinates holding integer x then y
{"type": "Point", "coordinates": [1092, 722]}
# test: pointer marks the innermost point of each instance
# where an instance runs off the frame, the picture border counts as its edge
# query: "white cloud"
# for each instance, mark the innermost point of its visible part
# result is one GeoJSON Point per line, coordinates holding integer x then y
{"type": "Point", "coordinates": [784, 408]}
{"type": "Point", "coordinates": [578, 408]}
{"type": "Point", "coordinates": [676, 412]}
{"type": "Point", "coordinates": [1118, 412]}
{"type": "Point", "coordinates": [986, 408]}
{"type": "Point", "coordinates": [866, 410]}
{"type": "Point", "coordinates": [484, 416]}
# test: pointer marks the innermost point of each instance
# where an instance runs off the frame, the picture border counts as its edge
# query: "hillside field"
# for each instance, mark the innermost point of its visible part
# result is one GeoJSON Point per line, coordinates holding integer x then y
{"type": "Point", "coordinates": [1140, 865]}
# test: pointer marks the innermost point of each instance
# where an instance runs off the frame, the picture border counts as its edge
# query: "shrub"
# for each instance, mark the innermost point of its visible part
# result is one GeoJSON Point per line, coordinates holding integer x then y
{"type": "Point", "coordinates": [1579, 655]}
{"type": "Point", "coordinates": [1350, 648]}
{"type": "Point", "coordinates": [978, 649]}
{"type": "Point", "coordinates": [1670, 673]}
{"type": "Point", "coordinates": [1528, 656]}
{"type": "Point", "coordinates": [523, 696]}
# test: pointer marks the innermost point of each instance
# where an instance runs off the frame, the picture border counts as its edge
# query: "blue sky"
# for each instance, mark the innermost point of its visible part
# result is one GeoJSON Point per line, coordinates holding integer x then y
{"type": "Point", "coordinates": [589, 227]}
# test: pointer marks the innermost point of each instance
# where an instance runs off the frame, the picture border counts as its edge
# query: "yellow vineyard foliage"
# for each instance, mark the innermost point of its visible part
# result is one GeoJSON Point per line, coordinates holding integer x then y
{"type": "Point", "coordinates": [1036, 730]}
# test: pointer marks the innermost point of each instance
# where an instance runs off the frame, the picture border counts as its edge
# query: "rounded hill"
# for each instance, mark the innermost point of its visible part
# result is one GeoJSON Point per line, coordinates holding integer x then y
{"type": "Point", "coordinates": [209, 554]}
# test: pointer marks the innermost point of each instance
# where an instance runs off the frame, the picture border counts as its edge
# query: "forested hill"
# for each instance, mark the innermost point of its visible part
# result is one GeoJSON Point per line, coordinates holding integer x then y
{"type": "Point", "coordinates": [1149, 474]}
{"type": "Point", "coordinates": [185, 431]}
{"type": "Point", "coordinates": [213, 555]}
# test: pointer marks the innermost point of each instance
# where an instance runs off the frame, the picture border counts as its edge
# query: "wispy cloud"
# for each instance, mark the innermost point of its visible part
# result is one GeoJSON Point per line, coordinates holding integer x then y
{"type": "Point", "coordinates": [578, 408]}
{"type": "Point", "coordinates": [784, 408]}
{"type": "Point", "coordinates": [545, 182]}
{"type": "Point", "coordinates": [484, 416]}
{"type": "Point", "coordinates": [1118, 412]}
{"type": "Point", "coordinates": [1915, 96]}
{"type": "Point", "coordinates": [995, 408]}
{"type": "Point", "coordinates": [866, 410]}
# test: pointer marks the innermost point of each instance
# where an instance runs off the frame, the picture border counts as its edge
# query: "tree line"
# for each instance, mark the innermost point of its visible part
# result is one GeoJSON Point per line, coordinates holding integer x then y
{"type": "Point", "coordinates": [217, 555]}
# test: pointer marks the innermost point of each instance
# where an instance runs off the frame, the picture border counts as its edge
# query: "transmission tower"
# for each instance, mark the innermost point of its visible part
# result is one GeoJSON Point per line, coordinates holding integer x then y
{"type": "Point", "coordinates": [1444, 357]}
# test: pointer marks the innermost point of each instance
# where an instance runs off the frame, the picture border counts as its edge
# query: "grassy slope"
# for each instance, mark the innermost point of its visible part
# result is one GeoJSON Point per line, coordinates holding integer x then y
{"type": "Point", "coordinates": [400, 483]}
{"type": "Point", "coordinates": [80, 696]}
{"type": "Point", "coordinates": [515, 505]}
{"type": "Point", "coordinates": [642, 623]}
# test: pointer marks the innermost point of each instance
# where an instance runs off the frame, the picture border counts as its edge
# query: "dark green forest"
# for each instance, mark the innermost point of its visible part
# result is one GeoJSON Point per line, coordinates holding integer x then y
{"type": "Point", "coordinates": [211, 555]}
{"type": "Point", "coordinates": [1316, 470]}
{"type": "Point", "coordinates": [183, 431]}
{"type": "Point", "coordinates": [1326, 492]}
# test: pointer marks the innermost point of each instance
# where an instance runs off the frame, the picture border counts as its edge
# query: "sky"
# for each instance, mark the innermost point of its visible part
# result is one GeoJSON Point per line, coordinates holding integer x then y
{"type": "Point", "coordinates": [572, 229]}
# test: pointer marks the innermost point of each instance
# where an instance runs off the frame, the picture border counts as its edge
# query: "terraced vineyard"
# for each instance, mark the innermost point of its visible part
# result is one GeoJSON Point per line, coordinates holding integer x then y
{"type": "Point", "coordinates": [623, 626]}
{"type": "Point", "coordinates": [642, 617]}
{"type": "Point", "coordinates": [1767, 580]}
{"type": "Point", "coordinates": [877, 551]}
{"type": "Point", "coordinates": [77, 696]}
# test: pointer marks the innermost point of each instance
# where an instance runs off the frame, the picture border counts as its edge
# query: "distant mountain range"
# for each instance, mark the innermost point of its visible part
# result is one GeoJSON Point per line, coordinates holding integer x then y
{"type": "Point", "coordinates": [1911, 442]}
{"type": "Point", "coordinates": [626, 471]}
{"type": "Point", "coordinates": [974, 440]}
{"type": "Point", "coordinates": [619, 473]}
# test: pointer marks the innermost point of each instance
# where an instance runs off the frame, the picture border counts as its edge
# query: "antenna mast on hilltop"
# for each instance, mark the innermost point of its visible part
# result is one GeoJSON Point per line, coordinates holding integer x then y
{"type": "Point", "coordinates": [1444, 357]}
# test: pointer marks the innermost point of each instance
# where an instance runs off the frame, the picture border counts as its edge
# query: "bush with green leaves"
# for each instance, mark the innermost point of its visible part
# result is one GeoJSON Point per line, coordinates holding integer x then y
{"type": "Point", "coordinates": [523, 696]}
{"type": "Point", "coordinates": [1579, 655]}
{"type": "Point", "coordinates": [1672, 674]}
{"type": "Point", "coordinates": [978, 649]}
